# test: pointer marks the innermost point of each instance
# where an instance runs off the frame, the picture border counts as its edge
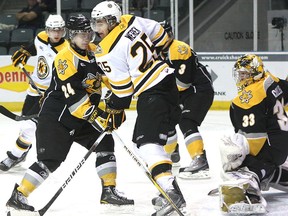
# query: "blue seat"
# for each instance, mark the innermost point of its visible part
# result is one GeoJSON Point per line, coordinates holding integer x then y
{"type": "Point", "coordinates": [3, 50]}
{"type": "Point", "coordinates": [4, 38]}
{"type": "Point", "coordinates": [8, 19]}
{"type": "Point", "coordinates": [21, 36]}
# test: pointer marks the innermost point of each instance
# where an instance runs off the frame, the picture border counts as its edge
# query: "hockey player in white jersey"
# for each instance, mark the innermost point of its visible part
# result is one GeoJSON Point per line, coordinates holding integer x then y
{"type": "Point", "coordinates": [45, 47]}
{"type": "Point", "coordinates": [127, 54]}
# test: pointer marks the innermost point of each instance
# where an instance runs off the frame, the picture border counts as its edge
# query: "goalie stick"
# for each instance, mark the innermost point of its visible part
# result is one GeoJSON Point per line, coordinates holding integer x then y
{"type": "Point", "coordinates": [64, 185]}
{"type": "Point", "coordinates": [148, 174]}
{"type": "Point", "coordinates": [13, 116]}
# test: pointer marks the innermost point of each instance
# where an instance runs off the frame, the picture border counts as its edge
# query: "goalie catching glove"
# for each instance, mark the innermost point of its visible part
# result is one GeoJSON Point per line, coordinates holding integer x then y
{"type": "Point", "coordinates": [110, 118]}
{"type": "Point", "coordinates": [233, 150]}
{"type": "Point", "coordinates": [21, 56]}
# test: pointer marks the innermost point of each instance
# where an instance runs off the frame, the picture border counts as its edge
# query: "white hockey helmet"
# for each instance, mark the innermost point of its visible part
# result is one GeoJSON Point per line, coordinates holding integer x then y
{"type": "Point", "coordinates": [55, 21]}
{"type": "Point", "coordinates": [108, 10]}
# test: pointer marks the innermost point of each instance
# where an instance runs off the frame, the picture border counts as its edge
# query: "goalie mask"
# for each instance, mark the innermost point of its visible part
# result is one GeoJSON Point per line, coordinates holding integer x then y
{"type": "Point", "coordinates": [247, 70]}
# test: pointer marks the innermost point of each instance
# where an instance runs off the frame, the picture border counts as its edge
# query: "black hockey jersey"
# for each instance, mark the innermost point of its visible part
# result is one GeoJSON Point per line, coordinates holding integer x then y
{"type": "Point", "coordinates": [258, 113]}
{"type": "Point", "coordinates": [188, 71]}
{"type": "Point", "coordinates": [75, 88]}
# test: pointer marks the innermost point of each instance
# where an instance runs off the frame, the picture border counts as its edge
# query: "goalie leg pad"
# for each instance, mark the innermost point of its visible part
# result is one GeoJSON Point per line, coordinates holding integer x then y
{"type": "Point", "coordinates": [241, 195]}
{"type": "Point", "coordinates": [236, 199]}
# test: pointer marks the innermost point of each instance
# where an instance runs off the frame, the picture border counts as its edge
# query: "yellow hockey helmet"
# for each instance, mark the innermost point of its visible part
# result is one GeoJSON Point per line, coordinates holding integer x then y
{"type": "Point", "coordinates": [248, 69]}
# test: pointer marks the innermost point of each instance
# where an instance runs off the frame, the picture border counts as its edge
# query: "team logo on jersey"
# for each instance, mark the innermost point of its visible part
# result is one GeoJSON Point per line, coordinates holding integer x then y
{"type": "Point", "coordinates": [92, 83]}
{"type": "Point", "coordinates": [246, 96]}
{"type": "Point", "coordinates": [182, 49]}
{"type": "Point", "coordinates": [42, 68]}
{"type": "Point", "coordinates": [62, 66]}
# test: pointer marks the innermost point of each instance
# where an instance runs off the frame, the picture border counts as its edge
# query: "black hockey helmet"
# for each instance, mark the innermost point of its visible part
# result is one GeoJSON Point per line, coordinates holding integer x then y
{"type": "Point", "coordinates": [77, 24]}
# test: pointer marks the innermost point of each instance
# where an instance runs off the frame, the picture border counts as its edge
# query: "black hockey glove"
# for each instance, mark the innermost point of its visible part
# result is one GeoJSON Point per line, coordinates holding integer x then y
{"type": "Point", "coordinates": [115, 117]}
{"type": "Point", "coordinates": [21, 56]}
{"type": "Point", "coordinates": [109, 118]}
{"type": "Point", "coordinates": [97, 122]}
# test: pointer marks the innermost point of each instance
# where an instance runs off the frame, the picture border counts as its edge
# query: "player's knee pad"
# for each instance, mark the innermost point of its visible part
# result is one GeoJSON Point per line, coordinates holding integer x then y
{"type": "Point", "coordinates": [105, 157]}
{"type": "Point", "coordinates": [188, 127]}
{"type": "Point", "coordinates": [106, 145]}
{"type": "Point", "coordinates": [156, 158]}
{"type": "Point", "coordinates": [41, 169]}
{"type": "Point", "coordinates": [171, 142]}
{"type": "Point", "coordinates": [27, 131]}
{"type": "Point", "coordinates": [50, 165]}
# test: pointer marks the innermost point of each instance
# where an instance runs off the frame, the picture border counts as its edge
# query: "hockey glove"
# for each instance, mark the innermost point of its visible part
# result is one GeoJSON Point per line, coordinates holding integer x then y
{"type": "Point", "coordinates": [114, 117]}
{"type": "Point", "coordinates": [233, 150]}
{"type": "Point", "coordinates": [96, 121]}
{"type": "Point", "coordinates": [21, 56]}
{"type": "Point", "coordinates": [102, 119]}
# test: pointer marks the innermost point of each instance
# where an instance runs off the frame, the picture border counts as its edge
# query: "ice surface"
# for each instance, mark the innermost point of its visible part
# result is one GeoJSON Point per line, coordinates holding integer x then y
{"type": "Point", "coordinates": [82, 195]}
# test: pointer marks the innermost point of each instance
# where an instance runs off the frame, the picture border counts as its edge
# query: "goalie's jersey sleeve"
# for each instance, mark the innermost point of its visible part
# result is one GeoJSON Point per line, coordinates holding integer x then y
{"type": "Point", "coordinates": [127, 56]}
{"type": "Point", "coordinates": [258, 112]}
{"type": "Point", "coordinates": [188, 71]}
{"type": "Point", "coordinates": [45, 53]}
{"type": "Point", "coordinates": [75, 88]}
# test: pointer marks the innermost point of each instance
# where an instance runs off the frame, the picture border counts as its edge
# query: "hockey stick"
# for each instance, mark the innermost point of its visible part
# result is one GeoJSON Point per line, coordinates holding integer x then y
{"type": "Point", "coordinates": [30, 79]}
{"type": "Point", "coordinates": [148, 174]}
{"type": "Point", "coordinates": [15, 117]}
{"type": "Point", "coordinates": [64, 185]}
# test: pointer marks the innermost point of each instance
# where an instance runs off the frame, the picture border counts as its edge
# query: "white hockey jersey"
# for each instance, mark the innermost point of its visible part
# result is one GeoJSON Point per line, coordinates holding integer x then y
{"type": "Point", "coordinates": [127, 55]}
{"type": "Point", "coordinates": [45, 56]}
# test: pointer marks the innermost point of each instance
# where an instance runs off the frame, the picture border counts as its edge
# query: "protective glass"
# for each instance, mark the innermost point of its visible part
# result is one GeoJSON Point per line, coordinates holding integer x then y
{"type": "Point", "coordinates": [84, 35]}
{"type": "Point", "coordinates": [98, 24]}
{"type": "Point", "coordinates": [55, 31]}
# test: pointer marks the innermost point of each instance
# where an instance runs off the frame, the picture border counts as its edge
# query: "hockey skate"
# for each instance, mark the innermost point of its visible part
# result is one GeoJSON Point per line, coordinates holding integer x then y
{"type": "Point", "coordinates": [111, 196]}
{"type": "Point", "coordinates": [164, 208]}
{"type": "Point", "coordinates": [18, 201]}
{"type": "Point", "coordinates": [11, 161]}
{"type": "Point", "coordinates": [158, 201]}
{"type": "Point", "coordinates": [198, 169]}
{"type": "Point", "coordinates": [241, 194]}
